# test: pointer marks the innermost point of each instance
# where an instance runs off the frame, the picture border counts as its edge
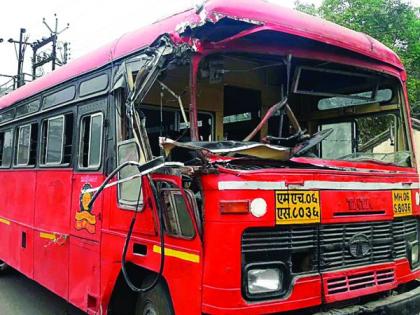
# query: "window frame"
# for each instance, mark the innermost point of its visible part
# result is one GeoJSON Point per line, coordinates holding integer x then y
{"type": "Point", "coordinates": [27, 103]}
{"type": "Point", "coordinates": [17, 164]}
{"type": "Point", "coordinates": [4, 131]}
{"type": "Point", "coordinates": [7, 120]}
{"type": "Point", "coordinates": [178, 191]}
{"type": "Point", "coordinates": [94, 92]}
{"type": "Point", "coordinates": [44, 107]}
{"type": "Point", "coordinates": [79, 162]}
{"type": "Point", "coordinates": [44, 147]}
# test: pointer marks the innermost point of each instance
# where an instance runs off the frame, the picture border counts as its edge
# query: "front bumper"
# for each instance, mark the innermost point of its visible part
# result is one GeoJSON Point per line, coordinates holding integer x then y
{"type": "Point", "coordinates": [407, 303]}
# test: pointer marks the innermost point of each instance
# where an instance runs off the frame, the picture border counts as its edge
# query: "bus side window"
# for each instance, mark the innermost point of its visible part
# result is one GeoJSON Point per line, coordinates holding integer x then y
{"type": "Point", "coordinates": [56, 141]}
{"type": "Point", "coordinates": [177, 219]}
{"type": "Point", "coordinates": [6, 143]}
{"type": "Point", "coordinates": [90, 146]}
{"type": "Point", "coordinates": [26, 145]}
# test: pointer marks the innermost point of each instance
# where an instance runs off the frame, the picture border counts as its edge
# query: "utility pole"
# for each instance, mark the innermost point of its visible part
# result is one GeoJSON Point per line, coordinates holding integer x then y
{"type": "Point", "coordinates": [22, 43]}
{"type": "Point", "coordinates": [40, 61]}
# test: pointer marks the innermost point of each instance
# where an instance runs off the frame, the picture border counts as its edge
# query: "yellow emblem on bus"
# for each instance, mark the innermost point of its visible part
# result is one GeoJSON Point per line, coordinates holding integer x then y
{"type": "Point", "coordinates": [297, 207]}
{"type": "Point", "coordinates": [85, 219]}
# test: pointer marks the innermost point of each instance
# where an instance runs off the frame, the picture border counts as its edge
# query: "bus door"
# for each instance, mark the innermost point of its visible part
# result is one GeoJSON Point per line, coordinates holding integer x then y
{"type": "Point", "coordinates": [182, 222]}
{"type": "Point", "coordinates": [86, 224]}
{"type": "Point", "coordinates": [183, 243]}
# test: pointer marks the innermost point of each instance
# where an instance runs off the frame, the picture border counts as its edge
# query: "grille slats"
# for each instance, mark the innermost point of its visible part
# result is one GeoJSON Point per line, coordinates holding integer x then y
{"type": "Point", "coordinates": [359, 281]}
{"type": "Point", "coordinates": [388, 241]}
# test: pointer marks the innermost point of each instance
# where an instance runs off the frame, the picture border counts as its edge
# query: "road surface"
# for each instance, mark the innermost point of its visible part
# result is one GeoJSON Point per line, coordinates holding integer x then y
{"type": "Point", "coordinates": [21, 296]}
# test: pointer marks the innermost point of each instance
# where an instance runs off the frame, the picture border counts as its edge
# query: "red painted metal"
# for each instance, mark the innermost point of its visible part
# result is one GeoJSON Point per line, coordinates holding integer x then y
{"type": "Point", "coordinates": [79, 257]}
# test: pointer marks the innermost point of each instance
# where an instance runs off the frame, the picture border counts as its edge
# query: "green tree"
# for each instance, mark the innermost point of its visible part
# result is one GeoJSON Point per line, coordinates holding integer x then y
{"type": "Point", "coordinates": [396, 23]}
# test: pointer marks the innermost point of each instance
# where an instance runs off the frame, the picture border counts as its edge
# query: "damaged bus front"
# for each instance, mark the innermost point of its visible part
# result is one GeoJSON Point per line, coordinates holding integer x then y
{"type": "Point", "coordinates": [285, 153]}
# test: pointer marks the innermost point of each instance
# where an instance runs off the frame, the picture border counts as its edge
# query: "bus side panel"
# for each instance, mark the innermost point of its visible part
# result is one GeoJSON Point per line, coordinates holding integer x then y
{"type": "Point", "coordinates": [51, 264]}
{"type": "Point", "coordinates": [24, 249]}
{"type": "Point", "coordinates": [85, 235]}
{"type": "Point", "coordinates": [52, 208]}
{"type": "Point", "coordinates": [6, 226]}
{"type": "Point", "coordinates": [17, 216]}
{"type": "Point", "coordinates": [52, 221]}
{"type": "Point", "coordinates": [85, 274]}
{"type": "Point", "coordinates": [20, 195]}
{"type": "Point", "coordinates": [5, 237]}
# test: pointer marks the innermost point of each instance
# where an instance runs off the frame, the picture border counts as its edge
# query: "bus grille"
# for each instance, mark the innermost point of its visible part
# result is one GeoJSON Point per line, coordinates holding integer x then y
{"type": "Point", "coordinates": [327, 245]}
{"type": "Point", "coordinates": [387, 240]}
{"type": "Point", "coordinates": [356, 282]}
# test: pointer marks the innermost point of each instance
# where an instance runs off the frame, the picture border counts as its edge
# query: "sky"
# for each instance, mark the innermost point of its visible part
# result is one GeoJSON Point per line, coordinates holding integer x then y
{"type": "Point", "coordinates": [92, 22]}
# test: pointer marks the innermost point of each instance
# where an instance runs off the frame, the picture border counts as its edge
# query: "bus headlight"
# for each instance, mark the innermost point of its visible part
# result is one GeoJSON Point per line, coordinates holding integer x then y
{"type": "Point", "coordinates": [264, 280]}
{"type": "Point", "coordinates": [414, 253]}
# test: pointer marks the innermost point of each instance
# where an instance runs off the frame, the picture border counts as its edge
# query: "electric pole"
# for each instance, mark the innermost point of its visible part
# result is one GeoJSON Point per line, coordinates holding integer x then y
{"type": "Point", "coordinates": [22, 43]}
{"type": "Point", "coordinates": [39, 61]}
{"type": "Point", "coordinates": [38, 58]}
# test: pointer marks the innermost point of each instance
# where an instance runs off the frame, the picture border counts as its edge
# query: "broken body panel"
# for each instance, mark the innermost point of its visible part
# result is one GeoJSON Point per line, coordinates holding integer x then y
{"type": "Point", "coordinates": [295, 206]}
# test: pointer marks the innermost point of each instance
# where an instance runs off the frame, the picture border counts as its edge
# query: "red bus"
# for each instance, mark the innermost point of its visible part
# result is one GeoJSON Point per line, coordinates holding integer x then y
{"type": "Point", "coordinates": [235, 158]}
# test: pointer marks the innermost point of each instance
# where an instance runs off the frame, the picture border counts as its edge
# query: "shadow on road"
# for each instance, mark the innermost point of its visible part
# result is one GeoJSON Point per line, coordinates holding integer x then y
{"type": "Point", "coordinates": [21, 296]}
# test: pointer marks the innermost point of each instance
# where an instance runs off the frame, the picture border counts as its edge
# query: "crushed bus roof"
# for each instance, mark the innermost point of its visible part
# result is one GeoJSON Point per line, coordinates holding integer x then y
{"type": "Point", "coordinates": [268, 15]}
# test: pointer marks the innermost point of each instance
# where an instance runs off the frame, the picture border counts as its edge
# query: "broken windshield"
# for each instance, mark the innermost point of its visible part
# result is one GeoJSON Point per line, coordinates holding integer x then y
{"type": "Point", "coordinates": [271, 108]}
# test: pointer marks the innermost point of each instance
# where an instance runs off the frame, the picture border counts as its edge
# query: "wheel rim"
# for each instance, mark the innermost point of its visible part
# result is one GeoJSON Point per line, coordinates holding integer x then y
{"type": "Point", "coordinates": [149, 309]}
{"type": "Point", "coordinates": [2, 264]}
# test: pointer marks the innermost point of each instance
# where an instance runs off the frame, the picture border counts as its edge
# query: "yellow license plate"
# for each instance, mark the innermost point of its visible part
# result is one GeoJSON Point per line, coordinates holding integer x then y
{"type": "Point", "coordinates": [401, 203]}
{"type": "Point", "coordinates": [297, 207]}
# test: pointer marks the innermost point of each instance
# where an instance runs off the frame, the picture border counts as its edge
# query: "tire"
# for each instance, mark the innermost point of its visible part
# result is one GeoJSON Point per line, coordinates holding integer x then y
{"type": "Point", "coordinates": [155, 302]}
{"type": "Point", "coordinates": [3, 266]}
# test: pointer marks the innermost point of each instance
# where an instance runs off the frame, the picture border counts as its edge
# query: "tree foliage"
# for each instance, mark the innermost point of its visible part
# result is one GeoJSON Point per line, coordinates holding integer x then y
{"type": "Point", "coordinates": [395, 23]}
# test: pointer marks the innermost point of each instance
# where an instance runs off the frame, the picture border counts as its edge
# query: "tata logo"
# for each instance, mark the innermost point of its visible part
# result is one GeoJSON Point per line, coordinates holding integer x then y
{"type": "Point", "coordinates": [359, 246]}
{"type": "Point", "coordinates": [358, 203]}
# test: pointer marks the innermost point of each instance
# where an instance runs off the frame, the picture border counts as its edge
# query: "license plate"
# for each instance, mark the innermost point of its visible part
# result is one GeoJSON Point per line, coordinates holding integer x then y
{"type": "Point", "coordinates": [297, 207]}
{"type": "Point", "coordinates": [401, 203]}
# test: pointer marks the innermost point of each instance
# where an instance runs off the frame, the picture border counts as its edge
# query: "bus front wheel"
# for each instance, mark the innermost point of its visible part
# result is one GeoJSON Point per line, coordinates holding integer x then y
{"type": "Point", "coordinates": [155, 302]}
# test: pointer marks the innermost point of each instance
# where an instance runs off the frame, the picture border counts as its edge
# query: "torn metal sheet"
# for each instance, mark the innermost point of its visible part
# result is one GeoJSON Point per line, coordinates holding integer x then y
{"type": "Point", "coordinates": [215, 27]}
{"type": "Point", "coordinates": [254, 149]}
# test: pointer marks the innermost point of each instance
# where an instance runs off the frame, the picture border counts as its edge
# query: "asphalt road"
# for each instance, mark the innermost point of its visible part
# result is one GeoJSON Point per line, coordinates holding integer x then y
{"type": "Point", "coordinates": [21, 296]}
